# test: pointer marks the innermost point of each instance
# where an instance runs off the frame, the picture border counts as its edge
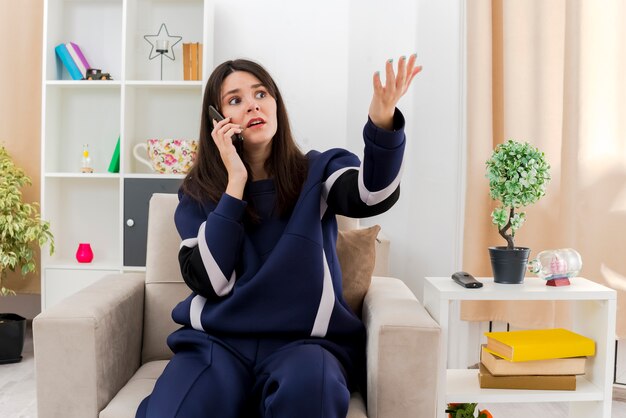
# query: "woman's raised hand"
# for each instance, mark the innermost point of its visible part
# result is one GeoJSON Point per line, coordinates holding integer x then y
{"type": "Point", "coordinates": [386, 97]}
{"type": "Point", "coordinates": [222, 134]}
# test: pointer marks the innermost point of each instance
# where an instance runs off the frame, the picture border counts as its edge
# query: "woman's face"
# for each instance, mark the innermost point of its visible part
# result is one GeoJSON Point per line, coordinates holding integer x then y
{"type": "Point", "coordinates": [248, 103]}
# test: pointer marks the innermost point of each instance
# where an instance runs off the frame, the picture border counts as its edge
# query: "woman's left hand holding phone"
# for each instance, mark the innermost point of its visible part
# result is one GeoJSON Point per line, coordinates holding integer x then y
{"type": "Point", "coordinates": [222, 134]}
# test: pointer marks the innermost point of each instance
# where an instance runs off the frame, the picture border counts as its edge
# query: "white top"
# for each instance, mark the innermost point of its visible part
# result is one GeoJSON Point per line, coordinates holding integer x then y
{"type": "Point", "coordinates": [533, 288]}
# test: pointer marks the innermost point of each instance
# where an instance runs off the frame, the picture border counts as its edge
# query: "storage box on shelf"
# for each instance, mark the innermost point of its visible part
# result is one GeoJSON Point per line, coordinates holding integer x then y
{"type": "Point", "coordinates": [593, 315]}
{"type": "Point", "coordinates": [134, 106]}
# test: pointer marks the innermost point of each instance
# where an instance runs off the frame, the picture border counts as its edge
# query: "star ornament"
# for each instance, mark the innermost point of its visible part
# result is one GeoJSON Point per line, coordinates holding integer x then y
{"type": "Point", "coordinates": [172, 39]}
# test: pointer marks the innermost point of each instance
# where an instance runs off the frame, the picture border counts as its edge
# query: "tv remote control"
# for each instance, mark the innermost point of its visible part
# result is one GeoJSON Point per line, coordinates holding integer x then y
{"type": "Point", "coordinates": [466, 280]}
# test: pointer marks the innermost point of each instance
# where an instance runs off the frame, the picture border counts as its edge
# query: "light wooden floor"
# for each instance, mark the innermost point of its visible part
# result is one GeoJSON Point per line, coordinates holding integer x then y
{"type": "Point", "coordinates": [17, 384]}
{"type": "Point", "coordinates": [17, 394]}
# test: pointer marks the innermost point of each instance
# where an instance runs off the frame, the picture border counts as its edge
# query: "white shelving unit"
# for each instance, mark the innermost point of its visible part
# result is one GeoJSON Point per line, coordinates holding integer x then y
{"type": "Point", "coordinates": [135, 106]}
{"type": "Point", "coordinates": [593, 314]}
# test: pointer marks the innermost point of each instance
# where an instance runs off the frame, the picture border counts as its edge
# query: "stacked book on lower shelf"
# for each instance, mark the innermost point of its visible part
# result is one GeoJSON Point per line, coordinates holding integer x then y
{"type": "Point", "coordinates": [542, 359]}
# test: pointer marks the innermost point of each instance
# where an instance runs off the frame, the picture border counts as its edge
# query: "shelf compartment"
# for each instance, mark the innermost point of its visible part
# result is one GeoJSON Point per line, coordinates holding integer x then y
{"type": "Point", "coordinates": [182, 18]}
{"type": "Point", "coordinates": [81, 210]}
{"type": "Point", "coordinates": [94, 25]}
{"type": "Point", "coordinates": [154, 176]}
{"type": "Point", "coordinates": [593, 315]}
{"type": "Point", "coordinates": [165, 84]}
{"type": "Point", "coordinates": [74, 265]}
{"type": "Point", "coordinates": [462, 386]}
{"type": "Point", "coordinates": [158, 112]}
{"type": "Point", "coordinates": [85, 176]}
{"type": "Point", "coordinates": [76, 116]}
{"type": "Point", "coordinates": [91, 84]}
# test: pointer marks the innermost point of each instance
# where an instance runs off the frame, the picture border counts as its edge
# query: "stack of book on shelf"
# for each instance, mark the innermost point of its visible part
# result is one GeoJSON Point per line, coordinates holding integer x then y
{"type": "Point", "coordinates": [192, 61]}
{"type": "Point", "coordinates": [547, 359]}
{"type": "Point", "coordinates": [73, 60]}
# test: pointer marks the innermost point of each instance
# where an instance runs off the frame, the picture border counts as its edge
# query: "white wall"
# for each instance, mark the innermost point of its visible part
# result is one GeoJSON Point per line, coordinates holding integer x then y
{"type": "Point", "coordinates": [304, 46]}
{"type": "Point", "coordinates": [323, 55]}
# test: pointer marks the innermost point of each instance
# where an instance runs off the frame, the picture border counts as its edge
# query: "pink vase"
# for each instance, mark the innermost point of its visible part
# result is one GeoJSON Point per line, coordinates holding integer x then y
{"type": "Point", "coordinates": [84, 253]}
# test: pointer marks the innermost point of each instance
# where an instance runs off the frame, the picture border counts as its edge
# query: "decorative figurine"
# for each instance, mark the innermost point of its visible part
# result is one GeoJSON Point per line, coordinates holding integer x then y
{"type": "Point", "coordinates": [162, 45]}
{"type": "Point", "coordinates": [97, 74]}
{"type": "Point", "coordinates": [86, 164]}
{"type": "Point", "coordinates": [556, 266]}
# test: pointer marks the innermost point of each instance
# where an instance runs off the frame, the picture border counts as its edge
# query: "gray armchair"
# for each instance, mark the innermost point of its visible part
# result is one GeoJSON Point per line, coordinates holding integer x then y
{"type": "Point", "coordinates": [99, 352]}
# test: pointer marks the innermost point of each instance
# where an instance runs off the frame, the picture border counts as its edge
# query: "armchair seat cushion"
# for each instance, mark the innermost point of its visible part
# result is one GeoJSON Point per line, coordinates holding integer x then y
{"type": "Point", "coordinates": [125, 403]}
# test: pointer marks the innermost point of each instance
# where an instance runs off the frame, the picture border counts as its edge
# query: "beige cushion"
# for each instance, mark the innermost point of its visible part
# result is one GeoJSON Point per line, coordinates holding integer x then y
{"type": "Point", "coordinates": [344, 223]}
{"type": "Point", "coordinates": [125, 403]}
{"type": "Point", "coordinates": [356, 252]}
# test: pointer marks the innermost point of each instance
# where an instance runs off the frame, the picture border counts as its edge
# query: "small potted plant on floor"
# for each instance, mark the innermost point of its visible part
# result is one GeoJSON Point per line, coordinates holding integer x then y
{"type": "Point", "coordinates": [466, 410]}
{"type": "Point", "coordinates": [21, 230]}
{"type": "Point", "coordinates": [518, 174]}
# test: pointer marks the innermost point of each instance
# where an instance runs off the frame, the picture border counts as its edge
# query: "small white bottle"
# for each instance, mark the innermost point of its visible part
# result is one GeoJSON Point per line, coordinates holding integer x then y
{"type": "Point", "coordinates": [86, 163]}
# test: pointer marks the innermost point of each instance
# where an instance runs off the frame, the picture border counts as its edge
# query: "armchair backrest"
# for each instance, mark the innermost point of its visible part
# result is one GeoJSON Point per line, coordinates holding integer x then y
{"type": "Point", "coordinates": [164, 283]}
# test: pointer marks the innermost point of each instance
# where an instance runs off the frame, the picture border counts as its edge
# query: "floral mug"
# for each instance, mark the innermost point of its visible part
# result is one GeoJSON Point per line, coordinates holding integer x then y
{"type": "Point", "coordinates": [168, 156]}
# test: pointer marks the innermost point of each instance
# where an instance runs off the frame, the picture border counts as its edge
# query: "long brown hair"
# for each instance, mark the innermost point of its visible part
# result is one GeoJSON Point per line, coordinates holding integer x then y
{"type": "Point", "coordinates": [208, 178]}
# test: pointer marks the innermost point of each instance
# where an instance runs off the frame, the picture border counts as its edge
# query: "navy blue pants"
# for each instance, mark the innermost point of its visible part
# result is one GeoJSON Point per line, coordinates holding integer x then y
{"type": "Point", "coordinates": [242, 378]}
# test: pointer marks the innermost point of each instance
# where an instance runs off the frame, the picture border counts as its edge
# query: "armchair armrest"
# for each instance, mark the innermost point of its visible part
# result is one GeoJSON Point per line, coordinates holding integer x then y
{"type": "Point", "coordinates": [402, 352]}
{"type": "Point", "coordinates": [88, 346]}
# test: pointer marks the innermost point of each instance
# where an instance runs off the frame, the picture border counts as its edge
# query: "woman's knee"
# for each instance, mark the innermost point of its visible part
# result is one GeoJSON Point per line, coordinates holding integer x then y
{"type": "Point", "coordinates": [195, 382]}
{"type": "Point", "coordinates": [308, 380]}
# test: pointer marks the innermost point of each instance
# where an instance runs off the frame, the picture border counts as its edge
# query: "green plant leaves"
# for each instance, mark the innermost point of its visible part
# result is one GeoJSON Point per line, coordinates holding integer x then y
{"type": "Point", "coordinates": [461, 410]}
{"type": "Point", "coordinates": [20, 225]}
{"type": "Point", "coordinates": [518, 174]}
{"type": "Point", "coordinates": [517, 220]}
{"type": "Point", "coordinates": [500, 217]}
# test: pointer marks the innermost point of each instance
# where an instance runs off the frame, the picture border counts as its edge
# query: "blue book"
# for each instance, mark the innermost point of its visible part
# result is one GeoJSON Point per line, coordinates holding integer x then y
{"type": "Point", "coordinates": [68, 62]}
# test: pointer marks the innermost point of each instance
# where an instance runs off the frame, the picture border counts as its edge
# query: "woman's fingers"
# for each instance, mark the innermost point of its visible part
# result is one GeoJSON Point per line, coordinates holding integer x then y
{"type": "Point", "coordinates": [415, 72]}
{"type": "Point", "coordinates": [223, 132]}
{"type": "Point", "coordinates": [378, 85]}
{"type": "Point", "coordinates": [228, 135]}
{"type": "Point", "coordinates": [396, 84]}
{"type": "Point", "coordinates": [401, 77]}
{"type": "Point", "coordinates": [410, 66]}
{"type": "Point", "coordinates": [390, 77]}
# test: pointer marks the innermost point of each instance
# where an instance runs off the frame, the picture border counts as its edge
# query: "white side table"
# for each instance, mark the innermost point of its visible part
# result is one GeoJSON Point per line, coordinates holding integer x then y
{"type": "Point", "coordinates": [593, 313]}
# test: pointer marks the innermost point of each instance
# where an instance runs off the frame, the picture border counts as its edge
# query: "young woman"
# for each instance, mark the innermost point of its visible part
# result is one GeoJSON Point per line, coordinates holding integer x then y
{"type": "Point", "coordinates": [265, 331]}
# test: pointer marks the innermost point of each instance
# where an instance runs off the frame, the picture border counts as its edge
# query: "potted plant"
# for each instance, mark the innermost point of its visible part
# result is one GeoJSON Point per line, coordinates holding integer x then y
{"type": "Point", "coordinates": [20, 230]}
{"type": "Point", "coordinates": [466, 410]}
{"type": "Point", "coordinates": [518, 174]}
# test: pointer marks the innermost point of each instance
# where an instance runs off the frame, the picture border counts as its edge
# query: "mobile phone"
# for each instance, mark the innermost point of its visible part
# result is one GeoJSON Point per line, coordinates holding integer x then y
{"type": "Point", "coordinates": [237, 138]}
